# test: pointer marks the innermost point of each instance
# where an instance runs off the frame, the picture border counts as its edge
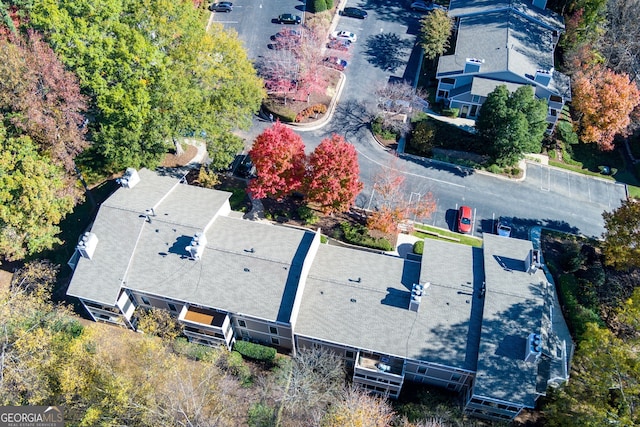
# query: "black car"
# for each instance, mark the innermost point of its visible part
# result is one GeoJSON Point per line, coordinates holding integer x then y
{"type": "Point", "coordinates": [288, 18]}
{"type": "Point", "coordinates": [354, 12]}
{"type": "Point", "coordinates": [223, 6]}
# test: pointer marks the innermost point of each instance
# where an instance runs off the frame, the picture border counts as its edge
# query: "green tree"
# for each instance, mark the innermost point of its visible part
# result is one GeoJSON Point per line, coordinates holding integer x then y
{"type": "Point", "coordinates": [621, 246]}
{"type": "Point", "coordinates": [435, 30]}
{"type": "Point", "coordinates": [605, 384]}
{"type": "Point", "coordinates": [511, 124]}
{"type": "Point", "coordinates": [153, 74]}
{"type": "Point", "coordinates": [319, 5]}
{"type": "Point", "coordinates": [33, 198]}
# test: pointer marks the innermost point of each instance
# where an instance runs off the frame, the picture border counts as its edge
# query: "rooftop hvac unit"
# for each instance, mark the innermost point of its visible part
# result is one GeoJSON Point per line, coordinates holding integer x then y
{"type": "Point", "coordinates": [87, 245]}
{"type": "Point", "coordinates": [416, 296]}
{"type": "Point", "coordinates": [534, 348]}
{"type": "Point", "coordinates": [129, 179]}
{"type": "Point", "coordinates": [196, 248]}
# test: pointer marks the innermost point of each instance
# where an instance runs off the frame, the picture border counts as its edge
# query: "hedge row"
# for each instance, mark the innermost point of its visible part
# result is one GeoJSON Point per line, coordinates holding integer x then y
{"type": "Point", "coordinates": [359, 235]}
{"type": "Point", "coordinates": [255, 351]}
{"type": "Point", "coordinates": [308, 112]}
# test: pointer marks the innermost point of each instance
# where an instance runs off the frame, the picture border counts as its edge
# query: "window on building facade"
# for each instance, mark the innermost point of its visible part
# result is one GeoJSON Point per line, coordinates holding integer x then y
{"type": "Point", "coordinates": [145, 300]}
{"type": "Point", "coordinates": [443, 94]}
{"type": "Point", "coordinates": [273, 330]}
{"type": "Point", "coordinates": [448, 81]}
{"type": "Point", "coordinates": [349, 354]}
{"type": "Point", "coordinates": [275, 341]}
{"type": "Point", "coordinates": [422, 370]}
{"type": "Point", "coordinates": [172, 307]}
{"type": "Point", "coordinates": [475, 98]}
{"type": "Point", "coordinates": [242, 323]}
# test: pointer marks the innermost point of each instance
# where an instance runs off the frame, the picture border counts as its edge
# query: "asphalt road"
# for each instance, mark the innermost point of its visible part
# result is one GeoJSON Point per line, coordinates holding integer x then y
{"type": "Point", "coordinates": [385, 51]}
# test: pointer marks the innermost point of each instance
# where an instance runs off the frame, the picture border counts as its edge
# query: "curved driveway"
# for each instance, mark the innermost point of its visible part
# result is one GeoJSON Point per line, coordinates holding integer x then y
{"type": "Point", "coordinates": [547, 196]}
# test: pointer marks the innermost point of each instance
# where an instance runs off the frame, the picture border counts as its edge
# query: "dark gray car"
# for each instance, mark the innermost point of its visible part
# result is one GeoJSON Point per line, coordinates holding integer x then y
{"type": "Point", "coordinates": [223, 6]}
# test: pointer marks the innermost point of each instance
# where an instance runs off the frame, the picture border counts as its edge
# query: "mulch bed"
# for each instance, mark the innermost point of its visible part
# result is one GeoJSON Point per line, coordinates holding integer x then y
{"type": "Point", "coordinates": [172, 161]}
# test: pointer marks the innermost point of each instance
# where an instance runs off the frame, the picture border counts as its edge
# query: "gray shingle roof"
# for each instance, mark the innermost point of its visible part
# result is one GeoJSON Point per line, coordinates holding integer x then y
{"type": "Point", "coordinates": [151, 256]}
{"type": "Point", "coordinates": [513, 308]}
{"type": "Point", "coordinates": [247, 267]}
{"type": "Point", "coordinates": [513, 49]}
{"type": "Point", "coordinates": [459, 8]}
{"type": "Point", "coordinates": [373, 313]}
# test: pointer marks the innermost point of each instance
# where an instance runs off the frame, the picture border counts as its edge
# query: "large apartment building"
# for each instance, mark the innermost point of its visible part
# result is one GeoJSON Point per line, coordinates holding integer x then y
{"type": "Point", "coordinates": [502, 42]}
{"type": "Point", "coordinates": [478, 321]}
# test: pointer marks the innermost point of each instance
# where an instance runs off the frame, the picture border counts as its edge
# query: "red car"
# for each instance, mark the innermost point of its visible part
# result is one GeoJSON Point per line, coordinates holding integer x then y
{"type": "Point", "coordinates": [464, 219]}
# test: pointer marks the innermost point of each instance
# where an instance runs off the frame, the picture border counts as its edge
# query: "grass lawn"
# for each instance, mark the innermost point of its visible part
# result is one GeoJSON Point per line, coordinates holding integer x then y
{"type": "Point", "coordinates": [449, 236]}
{"type": "Point", "coordinates": [585, 159]}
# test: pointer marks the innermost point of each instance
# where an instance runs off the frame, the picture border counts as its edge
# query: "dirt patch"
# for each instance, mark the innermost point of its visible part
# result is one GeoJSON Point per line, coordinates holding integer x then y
{"type": "Point", "coordinates": [172, 161]}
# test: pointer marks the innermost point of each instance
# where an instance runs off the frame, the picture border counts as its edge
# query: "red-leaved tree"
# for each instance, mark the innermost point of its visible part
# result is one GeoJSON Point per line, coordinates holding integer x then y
{"type": "Point", "coordinates": [278, 155]}
{"type": "Point", "coordinates": [42, 99]}
{"type": "Point", "coordinates": [395, 203]}
{"type": "Point", "coordinates": [332, 175]}
{"type": "Point", "coordinates": [604, 101]}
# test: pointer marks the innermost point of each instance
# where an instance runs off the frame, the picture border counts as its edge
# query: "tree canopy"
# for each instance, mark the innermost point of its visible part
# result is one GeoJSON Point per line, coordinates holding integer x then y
{"type": "Point", "coordinates": [604, 102]}
{"type": "Point", "coordinates": [39, 98]}
{"type": "Point", "coordinates": [435, 30]}
{"type": "Point", "coordinates": [278, 155]}
{"type": "Point", "coordinates": [621, 245]}
{"type": "Point", "coordinates": [34, 198]}
{"type": "Point", "coordinates": [333, 175]}
{"type": "Point", "coordinates": [512, 124]}
{"type": "Point", "coordinates": [152, 74]}
{"type": "Point", "coordinates": [605, 384]}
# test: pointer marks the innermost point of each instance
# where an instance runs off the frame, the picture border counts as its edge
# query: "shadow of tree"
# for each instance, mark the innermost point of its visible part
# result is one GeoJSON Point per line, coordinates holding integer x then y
{"type": "Point", "coordinates": [386, 51]}
{"type": "Point", "coordinates": [456, 170]}
{"type": "Point", "coordinates": [351, 117]}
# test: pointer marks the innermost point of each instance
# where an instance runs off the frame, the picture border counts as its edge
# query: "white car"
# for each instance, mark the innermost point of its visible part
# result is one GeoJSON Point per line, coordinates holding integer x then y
{"type": "Point", "coordinates": [344, 35]}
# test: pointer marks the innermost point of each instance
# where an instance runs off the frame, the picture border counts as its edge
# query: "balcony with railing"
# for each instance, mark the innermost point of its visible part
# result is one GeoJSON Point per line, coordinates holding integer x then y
{"type": "Point", "coordinates": [379, 374]}
{"type": "Point", "coordinates": [206, 324]}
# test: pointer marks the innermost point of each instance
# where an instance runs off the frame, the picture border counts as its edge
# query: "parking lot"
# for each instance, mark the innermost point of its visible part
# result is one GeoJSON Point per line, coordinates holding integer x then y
{"type": "Point", "coordinates": [385, 45]}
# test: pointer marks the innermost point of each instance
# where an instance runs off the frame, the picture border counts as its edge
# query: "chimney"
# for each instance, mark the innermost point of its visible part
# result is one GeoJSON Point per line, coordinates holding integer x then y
{"type": "Point", "coordinates": [543, 76]}
{"type": "Point", "coordinates": [541, 4]}
{"type": "Point", "coordinates": [129, 179]}
{"type": "Point", "coordinates": [472, 65]}
{"type": "Point", "coordinates": [196, 248]}
{"type": "Point", "coordinates": [87, 245]}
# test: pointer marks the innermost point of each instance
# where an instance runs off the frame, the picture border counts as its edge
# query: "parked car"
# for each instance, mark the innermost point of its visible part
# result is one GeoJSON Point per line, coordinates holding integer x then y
{"type": "Point", "coordinates": [502, 228]}
{"type": "Point", "coordinates": [288, 18]}
{"type": "Point", "coordinates": [223, 6]}
{"type": "Point", "coordinates": [341, 45]}
{"type": "Point", "coordinates": [464, 219]}
{"type": "Point", "coordinates": [344, 35]}
{"type": "Point", "coordinates": [286, 39]}
{"type": "Point", "coordinates": [354, 12]}
{"type": "Point", "coordinates": [335, 62]}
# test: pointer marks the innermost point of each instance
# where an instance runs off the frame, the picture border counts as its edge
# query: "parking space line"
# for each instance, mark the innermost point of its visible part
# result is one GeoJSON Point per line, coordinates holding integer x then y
{"type": "Point", "coordinates": [548, 188]}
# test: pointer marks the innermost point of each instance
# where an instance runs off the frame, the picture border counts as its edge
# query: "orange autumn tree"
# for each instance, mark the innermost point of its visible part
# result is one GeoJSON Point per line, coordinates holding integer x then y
{"type": "Point", "coordinates": [278, 155]}
{"type": "Point", "coordinates": [604, 101]}
{"type": "Point", "coordinates": [395, 204]}
{"type": "Point", "coordinates": [332, 175]}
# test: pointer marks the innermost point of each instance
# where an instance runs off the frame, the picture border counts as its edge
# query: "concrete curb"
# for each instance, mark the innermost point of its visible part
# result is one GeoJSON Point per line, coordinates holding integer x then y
{"type": "Point", "coordinates": [330, 111]}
